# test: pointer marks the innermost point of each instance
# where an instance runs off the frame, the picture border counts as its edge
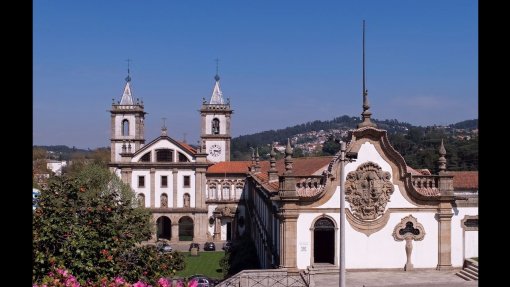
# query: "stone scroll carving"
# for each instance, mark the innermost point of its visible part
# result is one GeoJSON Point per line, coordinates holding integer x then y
{"type": "Point", "coordinates": [408, 229]}
{"type": "Point", "coordinates": [368, 190]}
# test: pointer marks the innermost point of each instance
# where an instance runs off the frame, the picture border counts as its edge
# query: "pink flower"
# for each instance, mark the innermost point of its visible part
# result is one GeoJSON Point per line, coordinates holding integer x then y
{"type": "Point", "coordinates": [163, 282]}
{"type": "Point", "coordinates": [140, 284]}
{"type": "Point", "coordinates": [193, 283]}
{"type": "Point", "coordinates": [119, 280]}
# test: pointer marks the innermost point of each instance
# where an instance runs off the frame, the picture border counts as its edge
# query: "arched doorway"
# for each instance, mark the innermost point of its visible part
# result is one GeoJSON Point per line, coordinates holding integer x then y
{"type": "Point", "coordinates": [164, 225]}
{"type": "Point", "coordinates": [324, 241]}
{"type": "Point", "coordinates": [185, 229]}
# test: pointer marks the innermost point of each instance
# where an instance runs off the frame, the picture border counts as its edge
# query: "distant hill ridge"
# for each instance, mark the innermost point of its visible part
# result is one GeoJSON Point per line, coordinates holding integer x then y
{"type": "Point", "coordinates": [417, 144]}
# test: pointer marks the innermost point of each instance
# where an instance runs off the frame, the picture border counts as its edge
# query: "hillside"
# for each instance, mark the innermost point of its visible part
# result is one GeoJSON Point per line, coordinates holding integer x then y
{"type": "Point", "coordinates": [417, 144]}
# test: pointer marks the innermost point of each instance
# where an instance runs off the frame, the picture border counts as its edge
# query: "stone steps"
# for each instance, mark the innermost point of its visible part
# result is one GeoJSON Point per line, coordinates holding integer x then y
{"type": "Point", "coordinates": [470, 270]}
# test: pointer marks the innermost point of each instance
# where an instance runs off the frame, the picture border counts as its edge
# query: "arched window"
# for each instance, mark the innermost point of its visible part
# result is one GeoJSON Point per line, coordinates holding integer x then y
{"type": "Point", "coordinates": [226, 192]}
{"type": "Point", "coordinates": [141, 199]}
{"type": "Point", "coordinates": [182, 157]}
{"type": "Point", "coordinates": [186, 200]}
{"type": "Point", "coordinates": [239, 191]}
{"type": "Point", "coordinates": [164, 200]}
{"type": "Point", "coordinates": [215, 126]}
{"type": "Point", "coordinates": [125, 127]}
{"type": "Point", "coordinates": [146, 157]}
{"type": "Point", "coordinates": [212, 192]}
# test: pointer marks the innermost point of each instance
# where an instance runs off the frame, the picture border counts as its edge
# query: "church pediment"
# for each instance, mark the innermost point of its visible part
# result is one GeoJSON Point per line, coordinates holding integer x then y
{"type": "Point", "coordinates": [179, 152]}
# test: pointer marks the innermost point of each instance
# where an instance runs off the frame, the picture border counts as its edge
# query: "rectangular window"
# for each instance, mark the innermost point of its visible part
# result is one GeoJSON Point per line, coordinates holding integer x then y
{"type": "Point", "coordinates": [141, 181]}
{"type": "Point", "coordinates": [164, 181]}
{"type": "Point", "coordinates": [186, 181]}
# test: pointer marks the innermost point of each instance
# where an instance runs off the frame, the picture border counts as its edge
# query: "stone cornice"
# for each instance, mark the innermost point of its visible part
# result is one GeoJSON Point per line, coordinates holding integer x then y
{"type": "Point", "coordinates": [160, 166]}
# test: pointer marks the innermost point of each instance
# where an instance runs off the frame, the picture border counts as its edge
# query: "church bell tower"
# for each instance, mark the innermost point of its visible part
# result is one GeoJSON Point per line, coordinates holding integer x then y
{"type": "Point", "coordinates": [127, 127]}
{"type": "Point", "coordinates": [215, 125]}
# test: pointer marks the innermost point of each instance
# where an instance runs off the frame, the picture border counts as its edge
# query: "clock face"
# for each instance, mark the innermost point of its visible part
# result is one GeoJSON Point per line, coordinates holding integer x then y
{"type": "Point", "coordinates": [215, 150]}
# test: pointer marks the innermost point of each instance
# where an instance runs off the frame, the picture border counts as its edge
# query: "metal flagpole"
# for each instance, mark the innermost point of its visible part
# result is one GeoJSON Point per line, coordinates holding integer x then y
{"type": "Point", "coordinates": [342, 214]}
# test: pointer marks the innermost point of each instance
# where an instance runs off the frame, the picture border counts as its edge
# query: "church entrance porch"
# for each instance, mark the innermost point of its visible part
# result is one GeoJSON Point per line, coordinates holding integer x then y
{"type": "Point", "coordinates": [164, 230]}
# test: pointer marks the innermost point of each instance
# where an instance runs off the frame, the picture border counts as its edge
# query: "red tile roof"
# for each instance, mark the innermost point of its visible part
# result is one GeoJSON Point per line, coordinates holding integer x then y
{"type": "Point", "coordinates": [464, 180]}
{"type": "Point", "coordinates": [230, 167]}
{"type": "Point", "coordinates": [188, 147]}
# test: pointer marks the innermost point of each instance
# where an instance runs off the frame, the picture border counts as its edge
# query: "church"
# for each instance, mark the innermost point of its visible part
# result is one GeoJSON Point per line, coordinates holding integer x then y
{"type": "Point", "coordinates": [396, 217]}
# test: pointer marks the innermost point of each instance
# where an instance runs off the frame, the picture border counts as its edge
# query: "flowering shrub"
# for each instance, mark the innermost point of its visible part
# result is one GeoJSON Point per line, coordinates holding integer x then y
{"type": "Point", "coordinates": [90, 222]}
{"type": "Point", "coordinates": [60, 277]}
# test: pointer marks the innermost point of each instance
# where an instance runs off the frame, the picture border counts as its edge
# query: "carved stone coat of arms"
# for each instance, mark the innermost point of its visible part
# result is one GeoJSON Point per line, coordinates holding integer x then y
{"type": "Point", "coordinates": [368, 190]}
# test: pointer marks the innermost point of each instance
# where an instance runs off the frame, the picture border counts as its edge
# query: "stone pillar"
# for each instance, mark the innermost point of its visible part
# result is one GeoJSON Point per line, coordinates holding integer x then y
{"type": "Point", "coordinates": [175, 231]}
{"type": "Point", "coordinates": [217, 229]}
{"type": "Point", "coordinates": [444, 217]}
{"type": "Point", "coordinates": [174, 187]}
{"type": "Point", "coordinates": [288, 234]}
{"type": "Point", "coordinates": [153, 187]}
{"type": "Point", "coordinates": [409, 249]}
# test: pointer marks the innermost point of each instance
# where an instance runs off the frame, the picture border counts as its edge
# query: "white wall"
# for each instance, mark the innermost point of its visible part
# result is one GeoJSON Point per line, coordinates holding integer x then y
{"type": "Point", "coordinates": [379, 250]}
{"type": "Point", "coordinates": [145, 190]}
{"type": "Point", "coordinates": [160, 190]}
{"type": "Point", "coordinates": [460, 245]}
{"type": "Point", "coordinates": [471, 244]}
{"type": "Point", "coordinates": [181, 190]}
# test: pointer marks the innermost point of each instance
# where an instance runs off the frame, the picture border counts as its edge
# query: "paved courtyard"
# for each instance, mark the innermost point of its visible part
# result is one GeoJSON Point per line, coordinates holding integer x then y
{"type": "Point", "coordinates": [418, 278]}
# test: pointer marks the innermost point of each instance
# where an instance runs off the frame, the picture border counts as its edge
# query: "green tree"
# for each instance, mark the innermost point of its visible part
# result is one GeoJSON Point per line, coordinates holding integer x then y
{"type": "Point", "coordinates": [331, 146]}
{"type": "Point", "coordinates": [88, 223]}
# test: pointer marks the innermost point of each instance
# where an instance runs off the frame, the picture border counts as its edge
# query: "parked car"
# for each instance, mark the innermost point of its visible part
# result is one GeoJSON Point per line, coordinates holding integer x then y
{"type": "Point", "coordinates": [164, 247]}
{"type": "Point", "coordinates": [202, 280]}
{"type": "Point", "coordinates": [209, 246]}
{"type": "Point", "coordinates": [227, 245]}
{"type": "Point", "coordinates": [194, 245]}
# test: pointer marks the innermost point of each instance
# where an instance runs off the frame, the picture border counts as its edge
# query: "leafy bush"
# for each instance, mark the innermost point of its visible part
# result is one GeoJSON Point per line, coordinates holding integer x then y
{"type": "Point", "coordinates": [89, 222]}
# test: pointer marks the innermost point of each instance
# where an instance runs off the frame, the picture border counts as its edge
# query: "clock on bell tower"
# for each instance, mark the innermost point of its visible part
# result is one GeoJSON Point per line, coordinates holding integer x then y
{"type": "Point", "coordinates": [215, 125]}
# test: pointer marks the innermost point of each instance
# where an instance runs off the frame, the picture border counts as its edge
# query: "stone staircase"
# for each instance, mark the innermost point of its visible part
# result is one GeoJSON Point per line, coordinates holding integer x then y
{"type": "Point", "coordinates": [470, 270]}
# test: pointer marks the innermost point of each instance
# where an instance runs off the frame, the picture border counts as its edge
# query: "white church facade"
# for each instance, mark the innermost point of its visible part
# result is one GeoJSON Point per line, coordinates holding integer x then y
{"type": "Point", "coordinates": [396, 217]}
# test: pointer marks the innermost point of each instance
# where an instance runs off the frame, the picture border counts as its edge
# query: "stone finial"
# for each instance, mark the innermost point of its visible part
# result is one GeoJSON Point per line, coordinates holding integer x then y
{"type": "Point", "coordinates": [163, 127]}
{"type": "Point", "coordinates": [257, 160]}
{"type": "Point", "coordinates": [272, 160]}
{"type": "Point", "coordinates": [442, 159]}
{"type": "Point", "coordinates": [288, 158]}
{"type": "Point", "coordinates": [272, 173]}
{"type": "Point", "coordinates": [252, 167]}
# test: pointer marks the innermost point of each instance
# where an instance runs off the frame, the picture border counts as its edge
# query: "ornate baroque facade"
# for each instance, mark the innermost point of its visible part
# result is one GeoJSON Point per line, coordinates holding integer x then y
{"type": "Point", "coordinates": [396, 216]}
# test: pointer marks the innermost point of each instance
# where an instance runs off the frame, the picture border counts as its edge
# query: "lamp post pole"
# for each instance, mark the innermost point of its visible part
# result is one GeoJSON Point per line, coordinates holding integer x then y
{"type": "Point", "coordinates": [342, 214]}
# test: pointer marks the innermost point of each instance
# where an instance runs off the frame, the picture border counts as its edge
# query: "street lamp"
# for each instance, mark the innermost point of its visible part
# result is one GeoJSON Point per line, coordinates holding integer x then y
{"type": "Point", "coordinates": [344, 157]}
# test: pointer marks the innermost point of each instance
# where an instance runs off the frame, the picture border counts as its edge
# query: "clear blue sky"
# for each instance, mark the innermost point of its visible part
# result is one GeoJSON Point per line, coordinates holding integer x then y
{"type": "Point", "coordinates": [281, 63]}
